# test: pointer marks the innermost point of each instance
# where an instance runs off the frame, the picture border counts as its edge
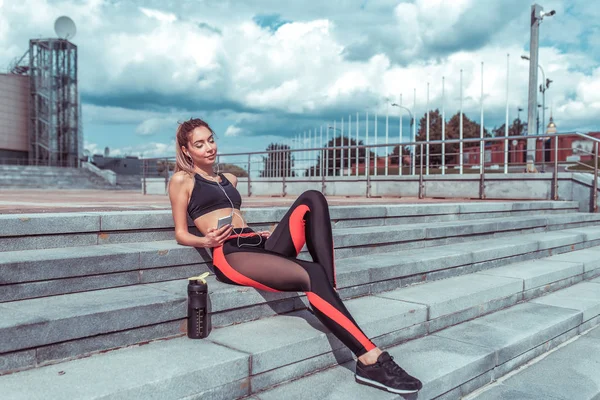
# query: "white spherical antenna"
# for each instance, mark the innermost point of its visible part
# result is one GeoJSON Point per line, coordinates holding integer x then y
{"type": "Point", "coordinates": [65, 27]}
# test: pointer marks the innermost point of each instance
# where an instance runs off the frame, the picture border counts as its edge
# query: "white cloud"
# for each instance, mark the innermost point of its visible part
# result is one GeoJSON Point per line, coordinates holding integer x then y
{"type": "Point", "coordinates": [146, 150]}
{"type": "Point", "coordinates": [233, 130]}
{"type": "Point", "coordinates": [93, 148]}
{"type": "Point", "coordinates": [158, 15]}
{"type": "Point", "coordinates": [152, 126]}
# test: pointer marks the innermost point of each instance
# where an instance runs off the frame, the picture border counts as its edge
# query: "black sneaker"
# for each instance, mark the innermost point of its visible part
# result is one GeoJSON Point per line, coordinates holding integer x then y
{"type": "Point", "coordinates": [386, 374]}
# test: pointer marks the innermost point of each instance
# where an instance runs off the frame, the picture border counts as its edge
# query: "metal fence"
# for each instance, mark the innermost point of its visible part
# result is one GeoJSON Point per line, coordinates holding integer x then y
{"type": "Point", "coordinates": [419, 159]}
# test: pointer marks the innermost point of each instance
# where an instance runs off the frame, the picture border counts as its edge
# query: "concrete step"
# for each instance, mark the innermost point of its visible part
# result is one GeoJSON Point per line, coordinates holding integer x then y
{"type": "Point", "coordinates": [569, 372]}
{"type": "Point", "coordinates": [54, 271]}
{"type": "Point", "coordinates": [250, 358]}
{"type": "Point", "coordinates": [49, 177]}
{"type": "Point", "coordinates": [43, 328]}
{"type": "Point", "coordinates": [457, 360]}
{"type": "Point", "coordinates": [41, 231]}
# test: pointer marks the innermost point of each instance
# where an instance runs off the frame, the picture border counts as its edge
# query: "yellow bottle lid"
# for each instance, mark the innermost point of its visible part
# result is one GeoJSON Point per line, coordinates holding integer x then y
{"type": "Point", "coordinates": [199, 277]}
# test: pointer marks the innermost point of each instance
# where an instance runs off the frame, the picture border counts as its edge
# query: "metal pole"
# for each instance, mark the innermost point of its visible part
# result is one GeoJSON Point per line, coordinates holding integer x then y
{"type": "Point", "coordinates": [543, 123]}
{"type": "Point", "coordinates": [595, 196]}
{"type": "Point", "coordinates": [533, 79]}
{"type": "Point", "coordinates": [249, 175]}
{"type": "Point", "coordinates": [327, 151]}
{"type": "Point", "coordinates": [443, 125]}
{"type": "Point", "coordinates": [421, 170]}
{"type": "Point", "coordinates": [284, 158]}
{"type": "Point", "coordinates": [284, 185]}
{"type": "Point", "coordinates": [482, 184]}
{"type": "Point", "coordinates": [321, 146]}
{"type": "Point", "coordinates": [342, 148]}
{"type": "Point", "coordinates": [144, 170]}
{"type": "Point", "coordinates": [427, 132]}
{"type": "Point", "coordinates": [267, 169]}
{"type": "Point", "coordinates": [506, 120]}
{"type": "Point", "coordinates": [334, 145]}
{"type": "Point", "coordinates": [460, 126]}
{"type": "Point", "coordinates": [311, 154]}
{"type": "Point", "coordinates": [305, 154]}
{"type": "Point", "coordinates": [376, 149]}
{"type": "Point", "coordinates": [357, 150]}
{"type": "Point", "coordinates": [414, 135]}
{"type": "Point", "coordinates": [349, 144]}
{"type": "Point", "coordinates": [481, 144]}
{"type": "Point", "coordinates": [400, 141]}
{"type": "Point", "coordinates": [297, 154]}
{"type": "Point", "coordinates": [555, 174]}
{"type": "Point", "coordinates": [367, 149]}
{"type": "Point", "coordinates": [387, 123]}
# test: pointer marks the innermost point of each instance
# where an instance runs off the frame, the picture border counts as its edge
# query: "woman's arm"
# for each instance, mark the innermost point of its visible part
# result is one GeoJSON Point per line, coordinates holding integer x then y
{"type": "Point", "coordinates": [178, 194]}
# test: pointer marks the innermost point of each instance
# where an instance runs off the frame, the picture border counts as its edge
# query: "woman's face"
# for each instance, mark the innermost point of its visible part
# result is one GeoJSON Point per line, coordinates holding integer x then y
{"type": "Point", "coordinates": [202, 146]}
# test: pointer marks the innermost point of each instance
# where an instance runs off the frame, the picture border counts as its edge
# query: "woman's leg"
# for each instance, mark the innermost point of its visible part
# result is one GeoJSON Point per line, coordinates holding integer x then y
{"type": "Point", "coordinates": [307, 221]}
{"type": "Point", "coordinates": [267, 270]}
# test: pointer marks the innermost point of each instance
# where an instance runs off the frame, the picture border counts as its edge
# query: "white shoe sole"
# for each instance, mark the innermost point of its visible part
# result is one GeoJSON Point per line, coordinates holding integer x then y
{"type": "Point", "coordinates": [369, 382]}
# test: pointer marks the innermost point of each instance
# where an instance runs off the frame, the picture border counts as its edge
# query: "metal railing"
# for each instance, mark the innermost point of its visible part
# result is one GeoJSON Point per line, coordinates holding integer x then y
{"type": "Point", "coordinates": [365, 161]}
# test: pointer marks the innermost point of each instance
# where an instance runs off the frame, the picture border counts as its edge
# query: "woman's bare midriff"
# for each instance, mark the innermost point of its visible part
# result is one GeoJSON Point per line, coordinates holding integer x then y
{"type": "Point", "coordinates": [209, 220]}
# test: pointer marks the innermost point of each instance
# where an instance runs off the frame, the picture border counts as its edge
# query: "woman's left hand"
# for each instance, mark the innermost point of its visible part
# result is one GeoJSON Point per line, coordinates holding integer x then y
{"type": "Point", "coordinates": [265, 233]}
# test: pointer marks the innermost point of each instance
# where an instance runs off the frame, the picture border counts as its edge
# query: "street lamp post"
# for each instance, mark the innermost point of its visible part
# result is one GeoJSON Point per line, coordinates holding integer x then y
{"type": "Point", "coordinates": [537, 14]}
{"type": "Point", "coordinates": [545, 85]}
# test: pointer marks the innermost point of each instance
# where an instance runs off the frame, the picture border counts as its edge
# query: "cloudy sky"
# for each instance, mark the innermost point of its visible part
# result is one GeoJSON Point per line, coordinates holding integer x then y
{"type": "Point", "coordinates": [266, 70]}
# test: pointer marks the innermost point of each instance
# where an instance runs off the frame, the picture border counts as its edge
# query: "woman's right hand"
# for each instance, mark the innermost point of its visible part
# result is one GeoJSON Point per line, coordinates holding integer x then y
{"type": "Point", "coordinates": [215, 237]}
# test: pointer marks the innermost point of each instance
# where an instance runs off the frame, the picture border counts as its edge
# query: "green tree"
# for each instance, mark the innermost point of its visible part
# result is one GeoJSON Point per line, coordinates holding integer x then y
{"type": "Point", "coordinates": [278, 164]}
{"type": "Point", "coordinates": [394, 155]}
{"type": "Point", "coordinates": [315, 170]}
{"type": "Point", "coordinates": [234, 169]}
{"type": "Point", "coordinates": [517, 128]}
{"type": "Point", "coordinates": [471, 130]}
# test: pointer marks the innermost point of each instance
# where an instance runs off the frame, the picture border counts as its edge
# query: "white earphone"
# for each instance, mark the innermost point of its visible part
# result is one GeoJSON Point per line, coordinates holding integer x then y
{"type": "Point", "coordinates": [244, 222]}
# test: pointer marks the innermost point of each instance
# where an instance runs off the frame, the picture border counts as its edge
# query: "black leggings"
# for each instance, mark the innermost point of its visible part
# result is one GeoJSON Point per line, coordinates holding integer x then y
{"type": "Point", "coordinates": [273, 265]}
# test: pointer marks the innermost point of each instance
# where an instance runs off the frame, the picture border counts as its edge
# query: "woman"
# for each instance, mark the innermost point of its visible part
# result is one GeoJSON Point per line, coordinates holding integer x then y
{"type": "Point", "coordinates": [268, 261]}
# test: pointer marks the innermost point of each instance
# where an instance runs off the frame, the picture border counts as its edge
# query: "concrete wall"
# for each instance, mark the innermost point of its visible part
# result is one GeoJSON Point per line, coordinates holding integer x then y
{"type": "Point", "coordinates": [119, 165]}
{"type": "Point", "coordinates": [14, 112]}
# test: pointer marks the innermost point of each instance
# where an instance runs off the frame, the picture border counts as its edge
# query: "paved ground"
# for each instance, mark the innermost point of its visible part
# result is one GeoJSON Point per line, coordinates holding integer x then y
{"type": "Point", "coordinates": [17, 201]}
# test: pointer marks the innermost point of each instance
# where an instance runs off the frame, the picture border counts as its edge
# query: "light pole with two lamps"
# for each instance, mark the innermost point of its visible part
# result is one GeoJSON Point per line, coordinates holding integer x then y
{"type": "Point", "coordinates": [543, 86]}
{"type": "Point", "coordinates": [537, 15]}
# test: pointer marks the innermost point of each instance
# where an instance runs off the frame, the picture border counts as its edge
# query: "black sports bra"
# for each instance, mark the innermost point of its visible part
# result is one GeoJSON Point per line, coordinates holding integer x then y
{"type": "Point", "coordinates": [207, 196]}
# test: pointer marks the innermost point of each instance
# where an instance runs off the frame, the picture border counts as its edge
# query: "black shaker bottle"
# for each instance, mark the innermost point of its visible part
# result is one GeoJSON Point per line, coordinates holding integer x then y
{"type": "Point", "coordinates": [199, 325]}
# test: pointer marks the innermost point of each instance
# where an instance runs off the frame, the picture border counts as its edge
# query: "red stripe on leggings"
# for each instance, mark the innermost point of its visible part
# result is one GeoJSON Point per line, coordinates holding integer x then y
{"type": "Point", "coordinates": [340, 319]}
{"type": "Point", "coordinates": [297, 226]}
{"type": "Point", "coordinates": [220, 262]}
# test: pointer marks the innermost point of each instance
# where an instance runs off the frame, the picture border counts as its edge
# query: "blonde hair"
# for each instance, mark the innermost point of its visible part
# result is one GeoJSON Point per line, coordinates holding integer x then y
{"type": "Point", "coordinates": [183, 162]}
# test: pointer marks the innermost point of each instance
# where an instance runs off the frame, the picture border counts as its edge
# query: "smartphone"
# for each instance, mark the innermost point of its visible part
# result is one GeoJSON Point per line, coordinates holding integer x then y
{"type": "Point", "coordinates": [224, 221]}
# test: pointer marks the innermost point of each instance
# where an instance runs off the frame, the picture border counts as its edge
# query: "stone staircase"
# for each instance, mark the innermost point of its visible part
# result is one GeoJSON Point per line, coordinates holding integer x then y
{"type": "Point", "coordinates": [38, 177]}
{"type": "Point", "coordinates": [460, 294]}
{"type": "Point", "coordinates": [570, 371]}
